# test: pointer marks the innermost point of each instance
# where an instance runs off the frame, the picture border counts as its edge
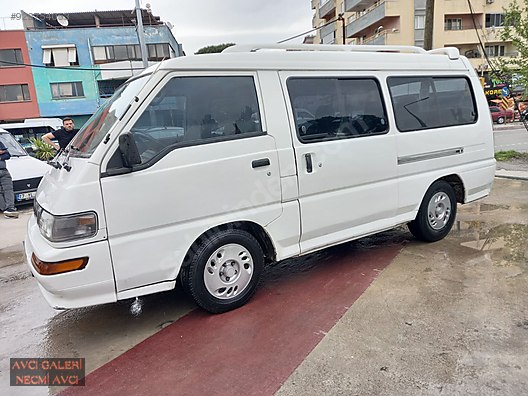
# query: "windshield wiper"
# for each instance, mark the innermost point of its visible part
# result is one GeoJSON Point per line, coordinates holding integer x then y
{"type": "Point", "coordinates": [55, 161]}
{"type": "Point", "coordinates": [68, 151]}
{"type": "Point", "coordinates": [422, 124]}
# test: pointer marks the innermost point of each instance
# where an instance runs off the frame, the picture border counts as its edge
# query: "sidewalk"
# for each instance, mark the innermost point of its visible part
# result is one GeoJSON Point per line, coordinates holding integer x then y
{"type": "Point", "coordinates": [516, 169]}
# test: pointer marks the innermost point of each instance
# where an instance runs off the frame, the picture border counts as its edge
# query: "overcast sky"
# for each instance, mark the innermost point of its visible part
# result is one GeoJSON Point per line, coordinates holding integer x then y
{"type": "Point", "coordinates": [197, 23]}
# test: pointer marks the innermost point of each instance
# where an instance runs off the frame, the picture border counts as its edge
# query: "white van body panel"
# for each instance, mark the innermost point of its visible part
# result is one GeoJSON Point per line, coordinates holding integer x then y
{"type": "Point", "coordinates": [346, 175]}
{"type": "Point", "coordinates": [430, 154]}
{"type": "Point", "coordinates": [203, 185]}
{"type": "Point", "coordinates": [149, 218]}
{"type": "Point", "coordinates": [148, 244]}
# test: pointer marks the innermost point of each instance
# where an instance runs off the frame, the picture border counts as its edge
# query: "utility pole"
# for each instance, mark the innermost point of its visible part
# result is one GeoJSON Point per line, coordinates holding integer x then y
{"type": "Point", "coordinates": [141, 35]}
{"type": "Point", "coordinates": [341, 17]}
{"type": "Point", "coordinates": [429, 25]}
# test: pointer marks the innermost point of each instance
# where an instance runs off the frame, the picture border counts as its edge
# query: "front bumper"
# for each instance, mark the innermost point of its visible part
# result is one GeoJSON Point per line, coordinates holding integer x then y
{"type": "Point", "coordinates": [92, 285]}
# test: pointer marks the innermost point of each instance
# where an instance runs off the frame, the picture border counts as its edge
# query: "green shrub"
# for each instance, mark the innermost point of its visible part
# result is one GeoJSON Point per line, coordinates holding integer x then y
{"type": "Point", "coordinates": [43, 151]}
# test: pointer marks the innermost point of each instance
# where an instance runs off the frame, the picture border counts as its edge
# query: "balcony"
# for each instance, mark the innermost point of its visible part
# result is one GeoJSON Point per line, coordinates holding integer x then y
{"type": "Point", "coordinates": [372, 16]}
{"type": "Point", "coordinates": [324, 31]}
{"type": "Point", "coordinates": [466, 35]}
{"type": "Point", "coordinates": [327, 9]}
{"type": "Point", "coordinates": [357, 5]}
{"type": "Point", "coordinates": [384, 37]}
{"type": "Point", "coordinates": [493, 34]}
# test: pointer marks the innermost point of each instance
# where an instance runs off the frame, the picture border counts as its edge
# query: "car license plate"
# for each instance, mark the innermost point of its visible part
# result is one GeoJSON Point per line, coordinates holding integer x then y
{"type": "Point", "coordinates": [25, 196]}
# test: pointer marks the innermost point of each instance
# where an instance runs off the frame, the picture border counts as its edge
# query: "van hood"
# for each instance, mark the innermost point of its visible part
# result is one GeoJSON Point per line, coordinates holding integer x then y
{"type": "Point", "coordinates": [26, 167]}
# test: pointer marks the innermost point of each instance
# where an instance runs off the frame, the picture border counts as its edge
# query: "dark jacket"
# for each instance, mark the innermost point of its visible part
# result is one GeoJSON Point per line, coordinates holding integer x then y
{"type": "Point", "coordinates": [4, 157]}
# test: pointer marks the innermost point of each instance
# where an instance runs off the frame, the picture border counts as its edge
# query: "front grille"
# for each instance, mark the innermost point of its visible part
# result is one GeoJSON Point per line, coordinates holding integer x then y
{"type": "Point", "coordinates": [26, 184]}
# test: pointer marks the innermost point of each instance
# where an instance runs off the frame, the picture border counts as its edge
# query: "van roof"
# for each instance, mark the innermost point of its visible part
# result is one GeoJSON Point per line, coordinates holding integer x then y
{"type": "Point", "coordinates": [35, 122]}
{"type": "Point", "coordinates": [321, 57]}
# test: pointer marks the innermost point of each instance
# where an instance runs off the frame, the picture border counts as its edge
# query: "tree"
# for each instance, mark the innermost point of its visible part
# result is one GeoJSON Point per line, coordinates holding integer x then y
{"type": "Point", "coordinates": [211, 49]}
{"type": "Point", "coordinates": [516, 31]}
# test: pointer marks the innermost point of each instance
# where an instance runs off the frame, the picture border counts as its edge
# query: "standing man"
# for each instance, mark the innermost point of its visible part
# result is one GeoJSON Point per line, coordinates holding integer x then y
{"type": "Point", "coordinates": [7, 196]}
{"type": "Point", "coordinates": [63, 135]}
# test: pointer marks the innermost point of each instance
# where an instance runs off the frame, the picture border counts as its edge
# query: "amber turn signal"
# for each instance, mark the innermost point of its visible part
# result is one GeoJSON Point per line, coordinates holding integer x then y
{"type": "Point", "coordinates": [59, 267]}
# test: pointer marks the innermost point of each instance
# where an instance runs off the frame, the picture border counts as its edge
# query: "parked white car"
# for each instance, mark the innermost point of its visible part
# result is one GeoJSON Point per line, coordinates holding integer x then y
{"type": "Point", "coordinates": [25, 170]}
{"type": "Point", "coordinates": [201, 169]}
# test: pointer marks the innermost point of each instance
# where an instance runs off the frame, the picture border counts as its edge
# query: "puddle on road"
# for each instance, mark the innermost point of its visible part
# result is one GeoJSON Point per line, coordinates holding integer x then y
{"type": "Point", "coordinates": [485, 207]}
{"type": "Point", "coordinates": [507, 240]}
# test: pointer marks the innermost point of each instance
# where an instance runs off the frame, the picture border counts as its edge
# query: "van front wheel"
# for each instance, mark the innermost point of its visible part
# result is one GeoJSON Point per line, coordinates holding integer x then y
{"type": "Point", "coordinates": [224, 271]}
{"type": "Point", "coordinates": [436, 214]}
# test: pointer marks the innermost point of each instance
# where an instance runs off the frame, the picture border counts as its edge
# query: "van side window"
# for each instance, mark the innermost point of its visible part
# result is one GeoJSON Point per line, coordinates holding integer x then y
{"type": "Point", "coordinates": [431, 102]}
{"type": "Point", "coordinates": [336, 108]}
{"type": "Point", "coordinates": [195, 110]}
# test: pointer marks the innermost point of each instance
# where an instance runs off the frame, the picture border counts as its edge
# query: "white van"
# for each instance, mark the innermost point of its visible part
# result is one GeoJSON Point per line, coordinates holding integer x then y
{"type": "Point", "coordinates": [25, 171]}
{"type": "Point", "coordinates": [32, 128]}
{"type": "Point", "coordinates": [201, 170]}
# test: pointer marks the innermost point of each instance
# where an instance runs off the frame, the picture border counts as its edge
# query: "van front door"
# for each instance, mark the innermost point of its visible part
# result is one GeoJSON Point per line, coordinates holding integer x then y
{"type": "Point", "coordinates": [206, 160]}
{"type": "Point", "coordinates": [346, 158]}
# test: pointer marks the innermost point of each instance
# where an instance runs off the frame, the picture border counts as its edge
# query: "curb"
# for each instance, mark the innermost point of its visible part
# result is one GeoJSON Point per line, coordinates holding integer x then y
{"type": "Point", "coordinates": [512, 175]}
{"type": "Point", "coordinates": [508, 127]}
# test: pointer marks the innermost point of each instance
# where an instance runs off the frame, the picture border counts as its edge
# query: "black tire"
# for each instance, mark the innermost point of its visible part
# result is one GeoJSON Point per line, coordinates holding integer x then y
{"type": "Point", "coordinates": [193, 275]}
{"type": "Point", "coordinates": [500, 120]}
{"type": "Point", "coordinates": [422, 227]}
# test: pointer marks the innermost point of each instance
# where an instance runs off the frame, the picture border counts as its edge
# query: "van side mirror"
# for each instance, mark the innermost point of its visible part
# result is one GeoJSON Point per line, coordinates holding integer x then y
{"type": "Point", "coordinates": [129, 150]}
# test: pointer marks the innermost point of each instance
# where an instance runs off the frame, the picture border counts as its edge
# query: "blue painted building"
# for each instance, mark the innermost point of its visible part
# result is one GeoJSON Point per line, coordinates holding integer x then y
{"type": "Point", "coordinates": [83, 57]}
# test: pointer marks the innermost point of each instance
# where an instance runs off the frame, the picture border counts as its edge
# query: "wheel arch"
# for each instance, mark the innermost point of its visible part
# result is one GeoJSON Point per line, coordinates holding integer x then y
{"type": "Point", "coordinates": [256, 230]}
{"type": "Point", "coordinates": [458, 185]}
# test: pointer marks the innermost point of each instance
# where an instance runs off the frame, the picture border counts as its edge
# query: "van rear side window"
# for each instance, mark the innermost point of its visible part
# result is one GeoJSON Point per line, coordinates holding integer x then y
{"type": "Point", "coordinates": [197, 110]}
{"type": "Point", "coordinates": [431, 102]}
{"type": "Point", "coordinates": [336, 108]}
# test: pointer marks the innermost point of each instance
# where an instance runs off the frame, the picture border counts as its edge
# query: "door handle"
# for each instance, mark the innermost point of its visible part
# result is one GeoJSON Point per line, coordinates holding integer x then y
{"type": "Point", "coordinates": [309, 166]}
{"type": "Point", "coordinates": [260, 162]}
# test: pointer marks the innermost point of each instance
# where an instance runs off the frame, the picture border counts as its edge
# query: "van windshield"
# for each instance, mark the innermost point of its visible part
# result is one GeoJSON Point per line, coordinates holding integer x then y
{"type": "Point", "coordinates": [12, 145]}
{"type": "Point", "coordinates": [96, 128]}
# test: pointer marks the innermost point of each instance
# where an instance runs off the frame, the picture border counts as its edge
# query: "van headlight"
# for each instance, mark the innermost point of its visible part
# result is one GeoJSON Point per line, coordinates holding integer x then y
{"type": "Point", "coordinates": [66, 228]}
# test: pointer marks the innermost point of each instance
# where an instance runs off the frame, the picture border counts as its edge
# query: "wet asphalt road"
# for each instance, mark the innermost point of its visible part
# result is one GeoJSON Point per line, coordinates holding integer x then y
{"type": "Point", "coordinates": [443, 318]}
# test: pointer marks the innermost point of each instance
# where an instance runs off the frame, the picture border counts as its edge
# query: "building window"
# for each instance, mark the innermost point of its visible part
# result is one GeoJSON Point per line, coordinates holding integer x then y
{"type": "Point", "coordinates": [108, 87]}
{"type": "Point", "coordinates": [60, 55]}
{"type": "Point", "coordinates": [495, 50]}
{"type": "Point", "coordinates": [419, 22]}
{"type": "Point", "coordinates": [130, 52]}
{"type": "Point", "coordinates": [494, 20]}
{"type": "Point", "coordinates": [453, 24]}
{"type": "Point", "coordinates": [67, 90]}
{"type": "Point", "coordinates": [10, 57]}
{"type": "Point", "coordinates": [158, 52]}
{"type": "Point", "coordinates": [14, 93]}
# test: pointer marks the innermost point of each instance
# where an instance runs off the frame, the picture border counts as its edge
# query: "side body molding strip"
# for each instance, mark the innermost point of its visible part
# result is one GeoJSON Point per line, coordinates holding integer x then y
{"type": "Point", "coordinates": [430, 155]}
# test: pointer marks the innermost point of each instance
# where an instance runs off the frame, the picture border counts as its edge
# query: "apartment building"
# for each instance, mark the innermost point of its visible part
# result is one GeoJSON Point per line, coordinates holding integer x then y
{"type": "Point", "coordinates": [402, 22]}
{"type": "Point", "coordinates": [81, 58]}
{"type": "Point", "coordinates": [18, 99]}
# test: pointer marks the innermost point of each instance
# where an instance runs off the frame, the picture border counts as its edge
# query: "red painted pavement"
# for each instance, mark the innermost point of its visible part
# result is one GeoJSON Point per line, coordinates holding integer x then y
{"type": "Point", "coordinates": [249, 351]}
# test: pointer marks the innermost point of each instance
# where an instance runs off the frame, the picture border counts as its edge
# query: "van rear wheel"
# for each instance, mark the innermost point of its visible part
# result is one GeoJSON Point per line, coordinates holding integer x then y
{"type": "Point", "coordinates": [436, 214]}
{"type": "Point", "coordinates": [224, 271]}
